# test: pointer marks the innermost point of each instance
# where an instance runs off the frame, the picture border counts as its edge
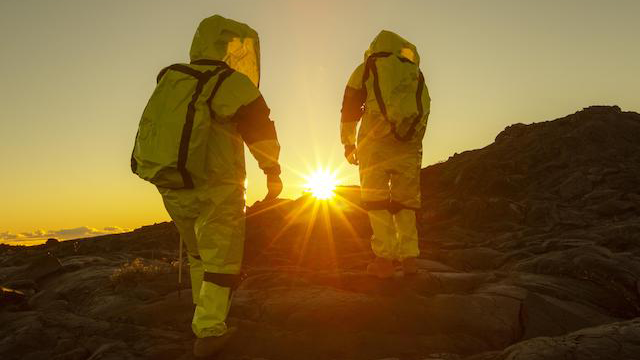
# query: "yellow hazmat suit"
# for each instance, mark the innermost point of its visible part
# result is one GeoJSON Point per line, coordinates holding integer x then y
{"type": "Point", "coordinates": [389, 147]}
{"type": "Point", "coordinates": [210, 217]}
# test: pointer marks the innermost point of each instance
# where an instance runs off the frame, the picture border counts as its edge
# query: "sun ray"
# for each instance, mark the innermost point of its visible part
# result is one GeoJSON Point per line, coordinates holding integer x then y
{"type": "Point", "coordinates": [327, 210]}
{"type": "Point", "coordinates": [308, 232]}
{"type": "Point", "coordinates": [291, 220]}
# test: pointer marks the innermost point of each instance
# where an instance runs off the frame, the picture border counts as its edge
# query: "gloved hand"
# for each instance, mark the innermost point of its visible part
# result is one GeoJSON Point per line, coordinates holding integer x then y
{"type": "Point", "coordinates": [351, 154]}
{"type": "Point", "coordinates": [274, 186]}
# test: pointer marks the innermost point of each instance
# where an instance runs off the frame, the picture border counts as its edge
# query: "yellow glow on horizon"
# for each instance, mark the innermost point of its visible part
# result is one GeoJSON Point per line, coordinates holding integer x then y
{"type": "Point", "coordinates": [321, 184]}
{"type": "Point", "coordinates": [64, 172]}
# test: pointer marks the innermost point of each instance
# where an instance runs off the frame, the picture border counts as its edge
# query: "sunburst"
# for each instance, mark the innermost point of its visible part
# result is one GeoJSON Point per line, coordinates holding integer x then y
{"type": "Point", "coordinates": [321, 184]}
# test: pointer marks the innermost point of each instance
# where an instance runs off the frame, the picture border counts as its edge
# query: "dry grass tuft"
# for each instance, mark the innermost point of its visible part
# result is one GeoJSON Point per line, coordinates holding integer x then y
{"type": "Point", "coordinates": [139, 270]}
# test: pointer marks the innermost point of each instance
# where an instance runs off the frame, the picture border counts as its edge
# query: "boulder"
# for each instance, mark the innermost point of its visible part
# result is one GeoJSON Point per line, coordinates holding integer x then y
{"type": "Point", "coordinates": [575, 186]}
{"type": "Point", "coordinates": [620, 340]}
{"type": "Point", "coordinates": [51, 242]}
{"type": "Point", "coordinates": [541, 214]}
{"type": "Point", "coordinates": [611, 207]}
{"type": "Point", "coordinates": [41, 267]}
{"type": "Point", "coordinates": [11, 296]}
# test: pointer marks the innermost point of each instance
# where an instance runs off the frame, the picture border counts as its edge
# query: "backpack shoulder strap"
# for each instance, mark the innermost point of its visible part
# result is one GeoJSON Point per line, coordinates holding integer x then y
{"type": "Point", "coordinates": [183, 151]}
{"type": "Point", "coordinates": [416, 120]}
{"type": "Point", "coordinates": [370, 66]}
{"type": "Point", "coordinates": [221, 68]}
{"type": "Point", "coordinates": [181, 68]}
{"type": "Point", "coordinates": [221, 78]}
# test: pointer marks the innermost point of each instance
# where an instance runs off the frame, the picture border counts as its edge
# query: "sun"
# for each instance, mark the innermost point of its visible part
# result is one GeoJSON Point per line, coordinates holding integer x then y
{"type": "Point", "coordinates": [321, 184]}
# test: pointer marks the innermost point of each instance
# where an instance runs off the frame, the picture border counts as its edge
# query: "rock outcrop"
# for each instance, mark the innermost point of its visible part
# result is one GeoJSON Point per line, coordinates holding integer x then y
{"type": "Point", "coordinates": [530, 250]}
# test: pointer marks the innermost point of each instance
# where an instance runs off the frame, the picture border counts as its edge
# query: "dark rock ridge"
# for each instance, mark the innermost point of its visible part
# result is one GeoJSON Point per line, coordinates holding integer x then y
{"type": "Point", "coordinates": [530, 250]}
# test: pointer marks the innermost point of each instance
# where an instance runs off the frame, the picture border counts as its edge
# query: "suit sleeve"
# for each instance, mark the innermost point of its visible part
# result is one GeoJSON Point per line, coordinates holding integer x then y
{"type": "Point", "coordinates": [353, 100]}
{"type": "Point", "coordinates": [259, 133]}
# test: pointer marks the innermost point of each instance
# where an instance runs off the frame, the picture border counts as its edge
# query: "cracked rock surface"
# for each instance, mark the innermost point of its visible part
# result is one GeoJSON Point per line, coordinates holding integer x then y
{"type": "Point", "coordinates": [530, 249]}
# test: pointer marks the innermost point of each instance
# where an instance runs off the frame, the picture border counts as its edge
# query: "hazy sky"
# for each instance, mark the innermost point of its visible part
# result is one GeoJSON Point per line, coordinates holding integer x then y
{"type": "Point", "coordinates": [76, 75]}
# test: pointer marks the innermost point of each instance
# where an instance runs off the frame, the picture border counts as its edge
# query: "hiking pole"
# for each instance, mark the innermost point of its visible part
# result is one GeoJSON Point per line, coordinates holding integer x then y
{"type": "Point", "coordinates": [179, 267]}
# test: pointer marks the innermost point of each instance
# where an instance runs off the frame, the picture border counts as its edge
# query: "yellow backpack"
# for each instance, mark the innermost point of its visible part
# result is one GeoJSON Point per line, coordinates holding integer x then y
{"type": "Point", "coordinates": [170, 148]}
{"type": "Point", "coordinates": [400, 93]}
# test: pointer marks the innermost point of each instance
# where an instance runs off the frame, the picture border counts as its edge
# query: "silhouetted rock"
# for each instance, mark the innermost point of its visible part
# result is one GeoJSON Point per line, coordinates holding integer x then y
{"type": "Point", "coordinates": [614, 341]}
{"type": "Point", "coordinates": [530, 250]}
{"type": "Point", "coordinates": [10, 296]}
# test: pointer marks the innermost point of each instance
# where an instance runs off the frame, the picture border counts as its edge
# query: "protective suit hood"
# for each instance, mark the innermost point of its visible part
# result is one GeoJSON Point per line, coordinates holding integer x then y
{"type": "Point", "coordinates": [387, 41]}
{"type": "Point", "coordinates": [235, 43]}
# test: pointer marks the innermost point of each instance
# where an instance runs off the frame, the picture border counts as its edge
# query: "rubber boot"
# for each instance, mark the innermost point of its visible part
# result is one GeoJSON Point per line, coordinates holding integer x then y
{"type": "Point", "coordinates": [208, 346]}
{"type": "Point", "coordinates": [381, 268]}
{"type": "Point", "coordinates": [409, 266]}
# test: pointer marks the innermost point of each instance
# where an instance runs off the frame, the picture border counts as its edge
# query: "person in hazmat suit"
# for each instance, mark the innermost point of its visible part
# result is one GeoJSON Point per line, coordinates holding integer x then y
{"type": "Point", "coordinates": [204, 194]}
{"type": "Point", "coordinates": [388, 93]}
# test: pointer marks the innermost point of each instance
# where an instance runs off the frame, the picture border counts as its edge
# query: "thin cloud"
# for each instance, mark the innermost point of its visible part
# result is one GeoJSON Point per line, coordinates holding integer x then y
{"type": "Point", "coordinates": [8, 236]}
{"type": "Point", "coordinates": [61, 234]}
{"type": "Point", "coordinates": [115, 229]}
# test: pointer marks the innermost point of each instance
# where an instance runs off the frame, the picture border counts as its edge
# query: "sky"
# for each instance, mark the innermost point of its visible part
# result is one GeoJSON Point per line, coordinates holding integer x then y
{"type": "Point", "coordinates": [76, 75]}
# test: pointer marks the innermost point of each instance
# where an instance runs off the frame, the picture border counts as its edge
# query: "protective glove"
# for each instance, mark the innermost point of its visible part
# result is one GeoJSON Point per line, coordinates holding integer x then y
{"type": "Point", "coordinates": [351, 154]}
{"type": "Point", "coordinates": [274, 186]}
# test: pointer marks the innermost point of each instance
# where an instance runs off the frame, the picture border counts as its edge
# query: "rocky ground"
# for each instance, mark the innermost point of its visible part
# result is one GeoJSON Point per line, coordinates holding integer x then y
{"type": "Point", "coordinates": [530, 250]}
